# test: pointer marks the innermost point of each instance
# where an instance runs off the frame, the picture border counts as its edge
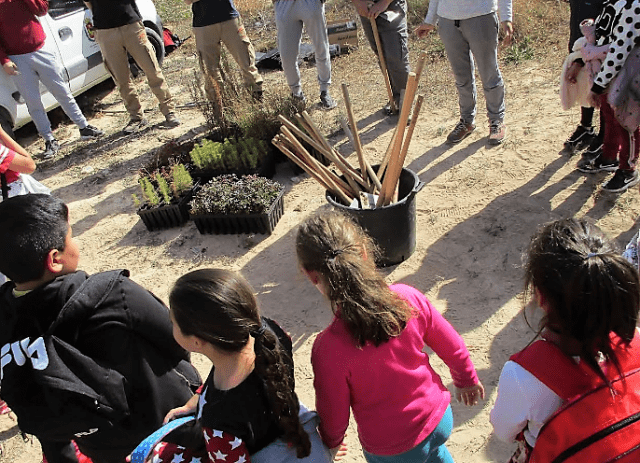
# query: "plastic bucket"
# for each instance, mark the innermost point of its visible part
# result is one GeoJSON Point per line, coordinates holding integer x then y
{"type": "Point", "coordinates": [392, 227]}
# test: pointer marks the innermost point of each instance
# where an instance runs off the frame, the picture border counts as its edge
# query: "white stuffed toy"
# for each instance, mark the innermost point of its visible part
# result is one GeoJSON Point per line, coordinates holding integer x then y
{"type": "Point", "coordinates": [575, 93]}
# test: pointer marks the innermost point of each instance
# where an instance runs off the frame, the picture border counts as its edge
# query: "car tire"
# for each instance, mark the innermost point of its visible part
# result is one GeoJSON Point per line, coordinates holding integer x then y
{"type": "Point", "coordinates": [158, 47]}
{"type": "Point", "coordinates": [5, 122]}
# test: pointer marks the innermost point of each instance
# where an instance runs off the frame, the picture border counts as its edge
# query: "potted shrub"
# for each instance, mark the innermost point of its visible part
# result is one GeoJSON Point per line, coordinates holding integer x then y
{"type": "Point", "coordinates": [228, 204]}
{"type": "Point", "coordinates": [165, 195]}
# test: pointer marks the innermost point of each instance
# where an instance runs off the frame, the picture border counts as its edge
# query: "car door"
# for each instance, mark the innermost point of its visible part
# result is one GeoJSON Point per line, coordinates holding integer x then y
{"type": "Point", "coordinates": [69, 24]}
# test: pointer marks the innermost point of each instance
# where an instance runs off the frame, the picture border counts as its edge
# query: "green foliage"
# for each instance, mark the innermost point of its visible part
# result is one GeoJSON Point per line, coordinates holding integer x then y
{"type": "Point", "coordinates": [229, 194]}
{"type": "Point", "coordinates": [136, 200]}
{"type": "Point", "coordinates": [163, 184]}
{"type": "Point", "coordinates": [207, 155]}
{"type": "Point", "coordinates": [163, 187]}
{"type": "Point", "coordinates": [148, 191]}
{"type": "Point", "coordinates": [232, 155]}
{"type": "Point", "coordinates": [519, 51]}
{"type": "Point", "coordinates": [182, 180]}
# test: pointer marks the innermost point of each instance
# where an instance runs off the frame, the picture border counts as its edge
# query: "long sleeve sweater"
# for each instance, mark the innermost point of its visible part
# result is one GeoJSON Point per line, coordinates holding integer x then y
{"type": "Point", "coordinates": [397, 397]}
{"type": "Point", "coordinates": [20, 30]}
{"type": "Point", "coordinates": [619, 26]}
{"type": "Point", "coordinates": [465, 9]}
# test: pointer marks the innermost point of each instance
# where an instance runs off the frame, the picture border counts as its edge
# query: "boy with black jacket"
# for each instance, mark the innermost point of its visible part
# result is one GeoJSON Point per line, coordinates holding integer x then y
{"type": "Point", "coordinates": [85, 358]}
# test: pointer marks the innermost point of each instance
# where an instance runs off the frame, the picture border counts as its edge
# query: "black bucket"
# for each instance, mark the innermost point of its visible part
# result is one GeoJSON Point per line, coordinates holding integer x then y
{"type": "Point", "coordinates": [392, 227]}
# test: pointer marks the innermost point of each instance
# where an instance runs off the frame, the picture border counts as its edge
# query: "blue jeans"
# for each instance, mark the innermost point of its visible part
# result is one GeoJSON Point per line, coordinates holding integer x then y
{"type": "Point", "coordinates": [430, 450]}
{"type": "Point", "coordinates": [468, 39]}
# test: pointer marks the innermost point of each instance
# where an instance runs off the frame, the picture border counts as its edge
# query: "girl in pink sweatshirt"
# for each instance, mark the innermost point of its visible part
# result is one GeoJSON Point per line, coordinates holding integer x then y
{"type": "Point", "coordinates": [371, 359]}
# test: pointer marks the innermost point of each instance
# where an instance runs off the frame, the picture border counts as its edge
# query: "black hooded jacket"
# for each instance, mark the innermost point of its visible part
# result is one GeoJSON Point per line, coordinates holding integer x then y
{"type": "Point", "coordinates": [91, 359]}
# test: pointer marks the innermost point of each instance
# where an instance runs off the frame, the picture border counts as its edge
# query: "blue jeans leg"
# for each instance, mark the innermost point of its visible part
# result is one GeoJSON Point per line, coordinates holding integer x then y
{"type": "Point", "coordinates": [430, 450]}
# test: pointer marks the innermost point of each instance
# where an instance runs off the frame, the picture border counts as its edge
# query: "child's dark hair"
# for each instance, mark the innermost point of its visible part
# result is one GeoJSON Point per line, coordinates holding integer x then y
{"type": "Point", "coordinates": [219, 307]}
{"type": "Point", "coordinates": [30, 226]}
{"type": "Point", "coordinates": [590, 290]}
{"type": "Point", "coordinates": [331, 244]}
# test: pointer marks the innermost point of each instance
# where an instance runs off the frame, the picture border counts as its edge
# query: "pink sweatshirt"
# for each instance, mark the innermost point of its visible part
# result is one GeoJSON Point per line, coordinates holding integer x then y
{"type": "Point", "coordinates": [396, 396]}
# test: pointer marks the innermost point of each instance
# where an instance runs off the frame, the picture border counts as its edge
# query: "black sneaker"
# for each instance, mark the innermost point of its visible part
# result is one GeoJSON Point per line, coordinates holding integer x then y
{"type": "Point", "coordinates": [598, 164]}
{"type": "Point", "coordinates": [594, 149]}
{"type": "Point", "coordinates": [579, 139]}
{"type": "Point", "coordinates": [461, 131]}
{"type": "Point", "coordinates": [621, 180]}
{"type": "Point", "coordinates": [51, 148]}
{"type": "Point", "coordinates": [135, 125]}
{"type": "Point", "coordinates": [326, 102]}
{"type": "Point", "coordinates": [90, 132]}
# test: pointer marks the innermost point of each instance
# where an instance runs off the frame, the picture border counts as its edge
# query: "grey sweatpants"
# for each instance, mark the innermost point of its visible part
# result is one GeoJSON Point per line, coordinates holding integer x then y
{"type": "Point", "coordinates": [393, 38]}
{"type": "Point", "coordinates": [290, 17]}
{"type": "Point", "coordinates": [43, 66]}
{"type": "Point", "coordinates": [464, 40]}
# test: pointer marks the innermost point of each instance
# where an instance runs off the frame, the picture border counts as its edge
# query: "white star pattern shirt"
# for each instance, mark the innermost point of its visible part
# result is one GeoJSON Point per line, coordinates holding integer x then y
{"type": "Point", "coordinates": [221, 447]}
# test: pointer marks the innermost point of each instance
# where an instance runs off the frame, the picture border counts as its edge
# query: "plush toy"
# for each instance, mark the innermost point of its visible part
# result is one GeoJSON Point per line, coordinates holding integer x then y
{"type": "Point", "coordinates": [585, 49]}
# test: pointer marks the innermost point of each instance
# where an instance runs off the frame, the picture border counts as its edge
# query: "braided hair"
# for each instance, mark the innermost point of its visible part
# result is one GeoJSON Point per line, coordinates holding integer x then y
{"type": "Point", "coordinates": [219, 307]}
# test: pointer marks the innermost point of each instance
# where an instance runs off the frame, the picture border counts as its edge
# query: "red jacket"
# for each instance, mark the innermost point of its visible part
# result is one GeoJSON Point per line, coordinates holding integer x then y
{"type": "Point", "coordinates": [20, 30]}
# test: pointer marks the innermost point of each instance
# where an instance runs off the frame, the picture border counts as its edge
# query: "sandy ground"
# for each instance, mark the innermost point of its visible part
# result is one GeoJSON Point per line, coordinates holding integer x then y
{"type": "Point", "coordinates": [475, 215]}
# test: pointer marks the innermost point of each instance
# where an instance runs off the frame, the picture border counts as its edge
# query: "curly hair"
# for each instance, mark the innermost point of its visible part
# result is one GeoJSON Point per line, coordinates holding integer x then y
{"type": "Point", "coordinates": [331, 244]}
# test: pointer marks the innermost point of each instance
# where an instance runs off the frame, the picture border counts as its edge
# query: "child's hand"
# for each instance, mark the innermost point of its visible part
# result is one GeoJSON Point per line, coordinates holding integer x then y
{"type": "Point", "coordinates": [177, 413]}
{"type": "Point", "coordinates": [470, 395]}
{"type": "Point", "coordinates": [337, 453]}
{"type": "Point", "coordinates": [423, 30]}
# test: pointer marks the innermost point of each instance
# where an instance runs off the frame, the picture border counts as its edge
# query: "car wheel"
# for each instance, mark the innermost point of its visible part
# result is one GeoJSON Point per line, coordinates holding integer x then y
{"type": "Point", "coordinates": [158, 47]}
{"type": "Point", "coordinates": [5, 122]}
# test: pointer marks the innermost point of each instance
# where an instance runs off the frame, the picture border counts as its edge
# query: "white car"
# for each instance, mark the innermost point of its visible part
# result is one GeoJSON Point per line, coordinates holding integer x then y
{"type": "Point", "coordinates": [69, 36]}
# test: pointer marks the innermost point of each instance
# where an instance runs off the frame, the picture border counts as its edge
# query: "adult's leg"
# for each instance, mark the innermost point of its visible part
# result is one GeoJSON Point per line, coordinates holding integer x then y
{"type": "Point", "coordinates": [208, 47]}
{"type": "Point", "coordinates": [289, 27]}
{"type": "Point", "coordinates": [312, 14]}
{"type": "Point", "coordinates": [482, 35]}
{"type": "Point", "coordinates": [113, 50]}
{"type": "Point", "coordinates": [50, 73]}
{"type": "Point", "coordinates": [459, 56]}
{"type": "Point", "coordinates": [28, 85]}
{"type": "Point", "coordinates": [138, 45]}
{"type": "Point", "coordinates": [235, 38]}
{"type": "Point", "coordinates": [394, 38]}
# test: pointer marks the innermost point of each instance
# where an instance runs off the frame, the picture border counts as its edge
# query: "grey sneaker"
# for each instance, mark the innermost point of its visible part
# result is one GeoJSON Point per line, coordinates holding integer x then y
{"type": "Point", "coordinates": [299, 100]}
{"type": "Point", "coordinates": [497, 132]}
{"type": "Point", "coordinates": [326, 102]}
{"type": "Point", "coordinates": [51, 148]}
{"type": "Point", "coordinates": [90, 132]}
{"type": "Point", "coordinates": [461, 131]}
{"type": "Point", "coordinates": [171, 120]}
{"type": "Point", "coordinates": [135, 125]}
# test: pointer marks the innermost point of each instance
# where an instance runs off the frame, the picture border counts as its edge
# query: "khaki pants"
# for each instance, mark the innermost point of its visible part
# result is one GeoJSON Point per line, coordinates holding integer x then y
{"type": "Point", "coordinates": [209, 40]}
{"type": "Point", "coordinates": [114, 44]}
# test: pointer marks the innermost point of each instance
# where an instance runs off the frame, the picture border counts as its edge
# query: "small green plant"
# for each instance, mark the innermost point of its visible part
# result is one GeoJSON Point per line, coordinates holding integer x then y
{"type": "Point", "coordinates": [163, 185]}
{"type": "Point", "coordinates": [182, 180]}
{"type": "Point", "coordinates": [229, 194]}
{"type": "Point", "coordinates": [149, 191]}
{"type": "Point", "coordinates": [519, 51]}
{"type": "Point", "coordinates": [232, 155]}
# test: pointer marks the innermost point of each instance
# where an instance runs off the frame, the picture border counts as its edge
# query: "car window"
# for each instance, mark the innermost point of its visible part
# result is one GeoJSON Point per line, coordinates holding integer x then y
{"type": "Point", "coordinates": [59, 8]}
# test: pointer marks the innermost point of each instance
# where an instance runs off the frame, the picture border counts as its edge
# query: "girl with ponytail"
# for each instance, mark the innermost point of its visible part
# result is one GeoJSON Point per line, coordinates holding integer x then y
{"type": "Point", "coordinates": [371, 359]}
{"type": "Point", "coordinates": [248, 401]}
